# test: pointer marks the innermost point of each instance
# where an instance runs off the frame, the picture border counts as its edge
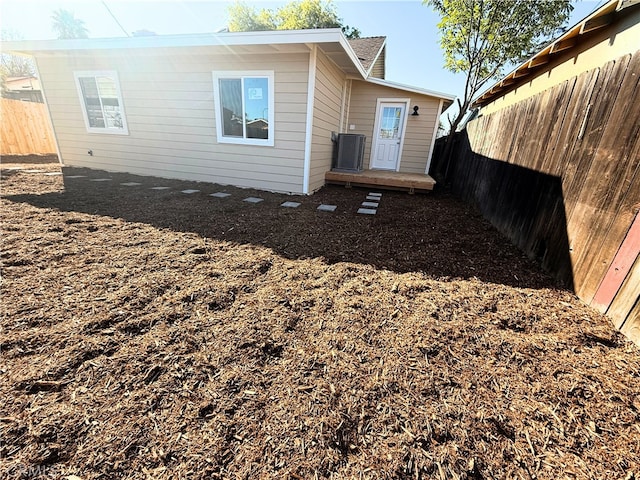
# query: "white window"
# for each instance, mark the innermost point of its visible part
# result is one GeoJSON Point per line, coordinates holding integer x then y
{"type": "Point", "coordinates": [244, 107]}
{"type": "Point", "coordinates": [101, 102]}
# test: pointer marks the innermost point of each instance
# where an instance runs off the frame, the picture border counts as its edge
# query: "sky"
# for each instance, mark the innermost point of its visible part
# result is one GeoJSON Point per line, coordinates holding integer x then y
{"type": "Point", "coordinates": [414, 56]}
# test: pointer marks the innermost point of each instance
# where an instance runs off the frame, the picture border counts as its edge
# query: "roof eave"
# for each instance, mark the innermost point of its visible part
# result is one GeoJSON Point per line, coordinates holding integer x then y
{"type": "Point", "coordinates": [566, 41]}
{"type": "Point", "coordinates": [409, 88]}
{"type": "Point", "coordinates": [224, 39]}
{"type": "Point", "coordinates": [167, 41]}
{"type": "Point", "coordinates": [352, 56]}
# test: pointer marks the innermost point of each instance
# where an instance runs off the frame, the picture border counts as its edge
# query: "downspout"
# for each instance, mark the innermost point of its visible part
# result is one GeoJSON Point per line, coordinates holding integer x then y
{"type": "Point", "coordinates": [343, 106]}
{"type": "Point", "coordinates": [44, 97]}
{"type": "Point", "coordinates": [433, 137]}
{"type": "Point", "coordinates": [348, 111]}
{"type": "Point", "coordinates": [311, 90]}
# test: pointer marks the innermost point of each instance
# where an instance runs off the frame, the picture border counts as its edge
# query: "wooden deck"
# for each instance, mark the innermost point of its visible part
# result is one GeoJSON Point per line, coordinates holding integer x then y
{"type": "Point", "coordinates": [383, 179]}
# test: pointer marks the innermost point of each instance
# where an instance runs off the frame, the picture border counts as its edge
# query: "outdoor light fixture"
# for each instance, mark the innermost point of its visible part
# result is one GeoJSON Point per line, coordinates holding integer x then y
{"type": "Point", "coordinates": [415, 111]}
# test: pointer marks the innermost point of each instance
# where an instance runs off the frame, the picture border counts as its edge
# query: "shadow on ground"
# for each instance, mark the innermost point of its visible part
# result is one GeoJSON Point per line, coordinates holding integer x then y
{"type": "Point", "coordinates": [434, 233]}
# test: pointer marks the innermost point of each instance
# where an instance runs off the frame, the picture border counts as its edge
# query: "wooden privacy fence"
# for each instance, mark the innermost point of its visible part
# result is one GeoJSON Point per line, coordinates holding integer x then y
{"type": "Point", "coordinates": [25, 128]}
{"type": "Point", "coordinates": [559, 174]}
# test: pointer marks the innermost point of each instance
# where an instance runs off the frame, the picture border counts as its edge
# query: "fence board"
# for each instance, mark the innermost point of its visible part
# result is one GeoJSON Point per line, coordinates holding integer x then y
{"type": "Point", "coordinates": [25, 128]}
{"type": "Point", "coordinates": [581, 158]}
{"type": "Point", "coordinates": [628, 300]}
{"type": "Point", "coordinates": [606, 185]}
{"type": "Point", "coordinates": [620, 268]}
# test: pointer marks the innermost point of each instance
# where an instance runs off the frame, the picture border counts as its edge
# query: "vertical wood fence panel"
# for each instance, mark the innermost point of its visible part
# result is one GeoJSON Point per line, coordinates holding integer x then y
{"type": "Point", "coordinates": [559, 174]}
{"type": "Point", "coordinates": [25, 128]}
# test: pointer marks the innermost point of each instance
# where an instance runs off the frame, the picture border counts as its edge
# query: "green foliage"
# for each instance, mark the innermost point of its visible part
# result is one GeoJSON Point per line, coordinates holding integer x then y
{"type": "Point", "coordinates": [243, 18]}
{"type": "Point", "coordinates": [480, 37]}
{"type": "Point", "coordinates": [66, 25]}
{"type": "Point", "coordinates": [297, 15]}
{"type": "Point", "coordinates": [307, 14]}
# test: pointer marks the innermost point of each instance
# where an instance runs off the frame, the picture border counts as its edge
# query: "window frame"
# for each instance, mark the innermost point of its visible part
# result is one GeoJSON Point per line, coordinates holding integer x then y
{"type": "Point", "coordinates": [77, 75]}
{"type": "Point", "coordinates": [242, 74]}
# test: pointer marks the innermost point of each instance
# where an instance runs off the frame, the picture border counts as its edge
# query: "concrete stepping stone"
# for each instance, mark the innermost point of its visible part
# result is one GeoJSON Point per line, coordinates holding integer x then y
{"type": "Point", "coordinates": [33, 171]}
{"type": "Point", "coordinates": [100, 179]}
{"type": "Point", "coordinates": [220, 195]}
{"type": "Point", "coordinates": [291, 204]}
{"type": "Point", "coordinates": [327, 208]}
{"type": "Point", "coordinates": [253, 200]}
{"type": "Point", "coordinates": [53, 174]}
{"type": "Point", "coordinates": [367, 211]}
{"type": "Point", "coordinates": [370, 204]}
{"type": "Point", "coordinates": [159, 188]}
{"type": "Point", "coordinates": [189, 191]}
{"type": "Point", "coordinates": [130, 184]}
{"type": "Point", "coordinates": [75, 176]}
{"type": "Point", "coordinates": [373, 197]}
{"type": "Point", "coordinates": [375, 194]}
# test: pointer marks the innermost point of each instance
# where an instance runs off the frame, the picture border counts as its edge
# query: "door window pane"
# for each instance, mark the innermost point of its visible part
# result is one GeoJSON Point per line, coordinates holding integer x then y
{"type": "Point", "coordinates": [390, 122]}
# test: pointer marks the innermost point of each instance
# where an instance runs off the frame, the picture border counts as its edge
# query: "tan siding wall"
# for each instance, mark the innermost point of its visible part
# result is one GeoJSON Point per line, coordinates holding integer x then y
{"type": "Point", "coordinates": [613, 42]}
{"type": "Point", "coordinates": [379, 67]}
{"type": "Point", "coordinates": [326, 118]}
{"type": "Point", "coordinates": [419, 130]}
{"type": "Point", "coordinates": [169, 106]}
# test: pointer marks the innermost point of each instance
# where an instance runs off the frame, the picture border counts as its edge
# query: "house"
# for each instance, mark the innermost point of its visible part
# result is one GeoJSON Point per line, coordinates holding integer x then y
{"type": "Point", "coordinates": [608, 33]}
{"type": "Point", "coordinates": [26, 89]}
{"type": "Point", "coordinates": [553, 161]}
{"type": "Point", "coordinates": [249, 109]}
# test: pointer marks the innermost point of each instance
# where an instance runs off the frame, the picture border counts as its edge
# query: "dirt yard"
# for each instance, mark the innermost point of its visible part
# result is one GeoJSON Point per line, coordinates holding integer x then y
{"type": "Point", "coordinates": [153, 334]}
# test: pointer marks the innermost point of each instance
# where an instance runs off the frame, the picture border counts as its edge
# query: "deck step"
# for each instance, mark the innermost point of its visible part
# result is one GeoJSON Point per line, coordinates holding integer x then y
{"type": "Point", "coordinates": [383, 179]}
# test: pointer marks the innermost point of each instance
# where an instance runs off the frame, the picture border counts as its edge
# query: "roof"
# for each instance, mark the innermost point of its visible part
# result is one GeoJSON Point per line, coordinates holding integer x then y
{"type": "Point", "coordinates": [571, 39]}
{"type": "Point", "coordinates": [22, 83]}
{"type": "Point", "coordinates": [331, 40]}
{"type": "Point", "coordinates": [368, 49]}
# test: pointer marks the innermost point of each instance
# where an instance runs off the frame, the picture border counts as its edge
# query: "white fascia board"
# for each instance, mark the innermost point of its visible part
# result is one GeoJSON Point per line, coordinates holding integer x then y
{"type": "Point", "coordinates": [409, 88]}
{"type": "Point", "coordinates": [328, 35]}
{"type": "Point", "coordinates": [352, 55]}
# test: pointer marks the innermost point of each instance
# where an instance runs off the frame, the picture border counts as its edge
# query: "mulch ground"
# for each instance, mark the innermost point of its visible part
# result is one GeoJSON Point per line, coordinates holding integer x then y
{"type": "Point", "coordinates": [152, 334]}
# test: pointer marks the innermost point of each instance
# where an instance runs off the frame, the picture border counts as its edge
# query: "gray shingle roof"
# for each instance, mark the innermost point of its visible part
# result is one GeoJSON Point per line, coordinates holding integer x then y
{"type": "Point", "coordinates": [367, 49]}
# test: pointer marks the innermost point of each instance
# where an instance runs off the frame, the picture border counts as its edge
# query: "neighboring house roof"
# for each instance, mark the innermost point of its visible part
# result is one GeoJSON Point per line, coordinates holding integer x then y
{"type": "Point", "coordinates": [331, 40]}
{"type": "Point", "coordinates": [368, 49]}
{"type": "Point", "coordinates": [571, 39]}
{"type": "Point", "coordinates": [22, 83]}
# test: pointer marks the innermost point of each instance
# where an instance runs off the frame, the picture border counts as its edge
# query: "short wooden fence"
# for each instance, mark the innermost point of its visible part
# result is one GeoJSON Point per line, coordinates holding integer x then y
{"type": "Point", "coordinates": [25, 128]}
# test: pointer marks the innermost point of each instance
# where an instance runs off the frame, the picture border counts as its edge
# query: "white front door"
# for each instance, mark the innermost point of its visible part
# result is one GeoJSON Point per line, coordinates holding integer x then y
{"type": "Point", "coordinates": [388, 137]}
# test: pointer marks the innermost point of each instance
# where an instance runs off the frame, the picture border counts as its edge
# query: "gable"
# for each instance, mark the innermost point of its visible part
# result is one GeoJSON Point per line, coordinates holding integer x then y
{"type": "Point", "coordinates": [368, 50]}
